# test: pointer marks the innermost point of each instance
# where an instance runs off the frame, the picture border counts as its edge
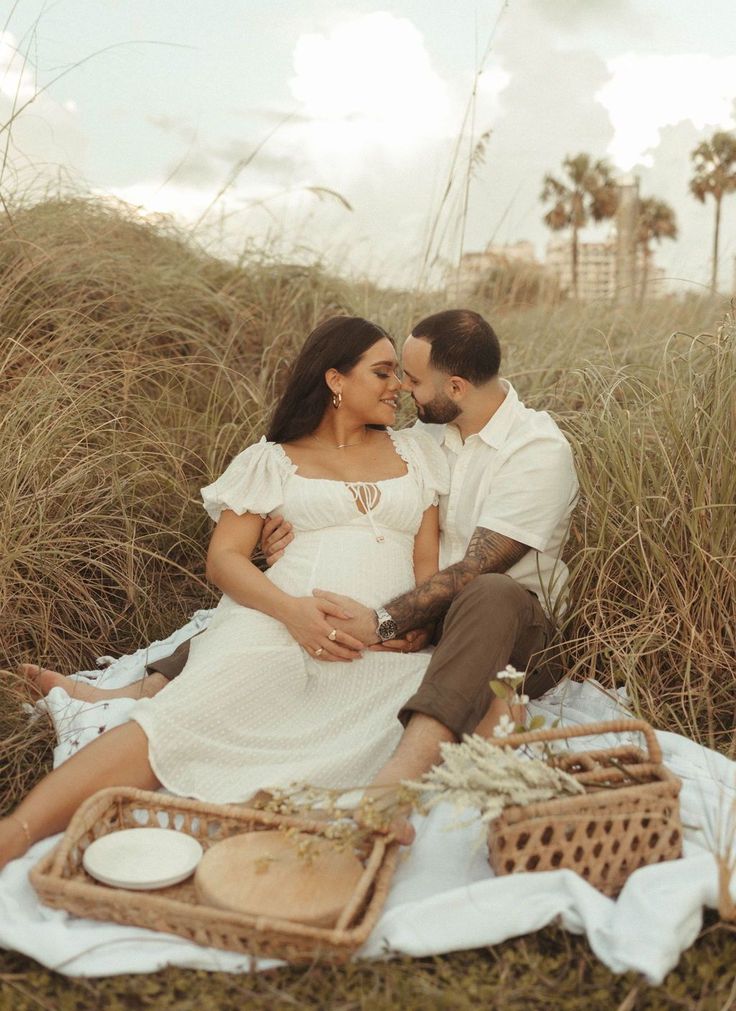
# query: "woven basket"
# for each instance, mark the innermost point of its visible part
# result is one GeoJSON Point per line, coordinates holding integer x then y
{"type": "Point", "coordinates": [628, 817]}
{"type": "Point", "coordinates": [61, 881]}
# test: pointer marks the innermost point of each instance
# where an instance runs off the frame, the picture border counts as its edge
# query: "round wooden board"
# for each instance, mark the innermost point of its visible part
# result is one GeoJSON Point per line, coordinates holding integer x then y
{"type": "Point", "coordinates": [265, 874]}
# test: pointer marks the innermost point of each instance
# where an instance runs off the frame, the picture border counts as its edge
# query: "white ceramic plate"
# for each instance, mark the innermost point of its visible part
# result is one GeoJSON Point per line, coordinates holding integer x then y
{"type": "Point", "coordinates": [141, 858]}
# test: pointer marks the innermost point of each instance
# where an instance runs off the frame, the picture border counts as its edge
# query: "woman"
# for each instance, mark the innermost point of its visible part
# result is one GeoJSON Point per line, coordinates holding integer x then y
{"type": "Point", "coordinates": [256, 706]}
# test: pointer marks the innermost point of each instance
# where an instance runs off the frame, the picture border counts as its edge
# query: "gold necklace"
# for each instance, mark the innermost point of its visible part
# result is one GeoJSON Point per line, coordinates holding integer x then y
{"type": "Point", "coordinates": [342, 445]}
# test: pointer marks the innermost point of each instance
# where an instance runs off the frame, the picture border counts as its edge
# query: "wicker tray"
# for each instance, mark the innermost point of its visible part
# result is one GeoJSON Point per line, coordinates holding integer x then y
{"type": "Point", "coordinates": [629, 815]}
{"type": "Point", "coordinates": [61, 881]}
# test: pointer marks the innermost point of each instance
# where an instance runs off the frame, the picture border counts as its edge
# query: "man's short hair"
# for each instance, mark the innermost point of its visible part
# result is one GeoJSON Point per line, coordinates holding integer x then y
{"type": "Point", "coordinates": [463, 344]}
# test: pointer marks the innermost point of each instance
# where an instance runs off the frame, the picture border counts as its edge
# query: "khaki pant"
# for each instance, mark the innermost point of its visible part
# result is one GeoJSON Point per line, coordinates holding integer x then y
{"type": "Point", "coordinates": [493, 622]}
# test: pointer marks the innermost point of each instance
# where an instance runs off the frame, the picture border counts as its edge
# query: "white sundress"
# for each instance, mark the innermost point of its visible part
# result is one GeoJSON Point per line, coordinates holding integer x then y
{"type": "Point", "coordinates": [252, 709]}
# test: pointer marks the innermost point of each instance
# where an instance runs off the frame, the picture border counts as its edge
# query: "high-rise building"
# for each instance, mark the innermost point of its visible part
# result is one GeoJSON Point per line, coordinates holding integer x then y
{"type": "Point", "coordinates": [601, 270]}
{"type": "Point", "coordinates": [610, 269]}
{"type": "Point", "coordinates": [596, 268]}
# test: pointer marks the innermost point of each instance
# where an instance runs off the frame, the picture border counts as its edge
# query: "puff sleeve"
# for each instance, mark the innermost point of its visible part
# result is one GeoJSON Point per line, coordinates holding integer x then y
{"type": "Point", "coordinates": [427, 458]}
{"type": "Point", "coordinates": [252, 483]}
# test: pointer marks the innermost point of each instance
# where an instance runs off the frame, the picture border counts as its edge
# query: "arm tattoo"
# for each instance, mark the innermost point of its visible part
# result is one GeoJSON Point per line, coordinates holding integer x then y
{"type": "Point", "coordinates": [486, 552]}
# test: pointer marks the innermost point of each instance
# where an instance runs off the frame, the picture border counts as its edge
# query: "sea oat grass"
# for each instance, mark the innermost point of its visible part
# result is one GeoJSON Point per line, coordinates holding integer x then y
{"type": "Point", "coordinates": [133, 365]}
{"type": "Point", "coordinates": [26, 744]}
{"type": "Point", "coordinates": [654, 575]}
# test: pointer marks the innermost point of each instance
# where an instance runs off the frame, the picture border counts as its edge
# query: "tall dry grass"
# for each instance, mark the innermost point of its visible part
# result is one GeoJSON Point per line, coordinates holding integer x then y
{"type": "Point", "coordinates": [133, 366]}
{"type": "Point", "coordinates": [654, 589]}
{"type": "Point", "coordinates": [647, 395]}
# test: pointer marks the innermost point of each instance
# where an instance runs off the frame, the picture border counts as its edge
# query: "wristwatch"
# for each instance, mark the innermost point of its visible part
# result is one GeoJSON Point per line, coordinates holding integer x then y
{"type": "Point", "coordinates": [387, 627]}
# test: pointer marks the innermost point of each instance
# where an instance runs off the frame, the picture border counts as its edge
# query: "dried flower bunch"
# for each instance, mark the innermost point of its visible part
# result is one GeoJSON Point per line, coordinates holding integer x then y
{"type": "Point", "coordinates": [352, 816]}
{"type": "Point", "coordinates": [489, 777]}
{"type": "Point", "coordinates": [473, 774]}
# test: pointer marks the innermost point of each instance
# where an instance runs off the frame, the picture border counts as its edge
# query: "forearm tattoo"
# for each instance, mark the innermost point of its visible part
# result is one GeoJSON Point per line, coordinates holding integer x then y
{"type": "Point", "coordinates": [487, 552]}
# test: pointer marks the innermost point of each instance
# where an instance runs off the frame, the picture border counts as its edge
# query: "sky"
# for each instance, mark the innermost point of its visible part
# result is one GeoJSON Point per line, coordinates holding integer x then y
{"type": "Point", "coordinates": [349, 130]}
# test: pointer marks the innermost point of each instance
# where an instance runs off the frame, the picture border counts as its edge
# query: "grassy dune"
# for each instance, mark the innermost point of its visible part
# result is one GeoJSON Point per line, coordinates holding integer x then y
{"type": "Point", "coordinates": [133, 366]}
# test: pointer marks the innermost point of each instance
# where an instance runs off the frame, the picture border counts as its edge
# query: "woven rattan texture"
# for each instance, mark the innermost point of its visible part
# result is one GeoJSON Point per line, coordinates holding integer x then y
{"type": "Point", "coordinates": [61, 881]}
{"type": "Point", "coordinates": [628, 817]}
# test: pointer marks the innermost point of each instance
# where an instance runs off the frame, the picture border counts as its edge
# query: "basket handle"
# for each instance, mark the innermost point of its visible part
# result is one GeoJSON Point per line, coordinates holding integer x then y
{"type": "Point", "coordinates": [585, 730]}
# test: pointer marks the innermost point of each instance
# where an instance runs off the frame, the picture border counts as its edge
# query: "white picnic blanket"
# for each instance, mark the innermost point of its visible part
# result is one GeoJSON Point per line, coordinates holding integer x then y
{"type": "Point", "coordinates": [444, 896]}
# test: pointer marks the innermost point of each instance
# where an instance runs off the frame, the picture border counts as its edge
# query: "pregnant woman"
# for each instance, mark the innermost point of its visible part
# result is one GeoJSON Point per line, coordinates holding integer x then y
{"type": "Point", "coordinates": [257, 706]}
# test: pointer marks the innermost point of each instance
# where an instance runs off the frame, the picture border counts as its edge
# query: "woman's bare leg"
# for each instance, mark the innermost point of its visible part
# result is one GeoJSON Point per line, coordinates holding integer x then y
{"type": "Point", "coordinates": [117, 758]}
{"type": "Point", "coordinates": [44, 680]}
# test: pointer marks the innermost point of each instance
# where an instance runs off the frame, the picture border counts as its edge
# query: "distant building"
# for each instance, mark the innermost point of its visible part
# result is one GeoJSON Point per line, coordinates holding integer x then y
{"type": "Point", "coordinates": [596, 267]}
{"type": "Point", "coordinates": [474, 267]}
{"type": "Point", "coordinates": [600, 272]}
{"type": "Point", "coordinates": [606, 270]}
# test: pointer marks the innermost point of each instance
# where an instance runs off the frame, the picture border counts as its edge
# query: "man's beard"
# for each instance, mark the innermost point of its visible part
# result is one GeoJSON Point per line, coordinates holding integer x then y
{"type": "Point", "coordinates": [439, 411]}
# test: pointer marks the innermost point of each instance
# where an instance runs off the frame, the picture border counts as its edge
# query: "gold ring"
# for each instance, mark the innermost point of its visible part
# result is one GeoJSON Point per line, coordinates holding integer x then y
{"type": "Point", "coordinates": [333, 635]}
{"type": "Point", "coordinates": [319, 651]}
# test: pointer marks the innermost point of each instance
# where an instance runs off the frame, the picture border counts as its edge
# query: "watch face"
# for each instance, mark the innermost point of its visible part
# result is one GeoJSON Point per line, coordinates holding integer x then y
{"type": "Point", "coordinates": [387, 629]}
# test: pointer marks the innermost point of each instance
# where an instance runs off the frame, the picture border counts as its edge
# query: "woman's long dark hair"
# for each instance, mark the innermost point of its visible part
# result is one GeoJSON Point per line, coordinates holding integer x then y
{"type": "Point", "coordinates": [338, 343]}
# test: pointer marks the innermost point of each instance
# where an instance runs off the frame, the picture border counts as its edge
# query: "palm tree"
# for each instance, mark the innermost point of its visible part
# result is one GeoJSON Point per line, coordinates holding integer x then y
{"type": "Point", "coordinates": [588, 192]}
{"type": "Point", "coordinates": [715, 175]}
{"type": "Point", "coordinates": [655, 221]}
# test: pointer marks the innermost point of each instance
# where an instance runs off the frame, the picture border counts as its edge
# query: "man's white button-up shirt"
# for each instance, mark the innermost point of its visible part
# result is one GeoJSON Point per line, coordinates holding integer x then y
{"type": "Point", "coordinates": [516, 477]}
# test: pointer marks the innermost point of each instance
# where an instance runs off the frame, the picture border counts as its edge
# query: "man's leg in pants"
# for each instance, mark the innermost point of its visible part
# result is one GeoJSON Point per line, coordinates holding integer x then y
{"type": "Point", "coordinates": [170, 666]}
{"type": "Point", "coordinates": [492, 623]}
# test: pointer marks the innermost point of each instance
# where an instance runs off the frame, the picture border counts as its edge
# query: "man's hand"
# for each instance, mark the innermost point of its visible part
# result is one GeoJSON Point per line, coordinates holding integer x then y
{"type": "Point", "coordinates": [311, 622]}
{"type": "Point", "coordinates": [361, 624]}
{"type": "Point", "coordinates": [275, 536]}
{"type": "Point", "coordinates": [411, 642]}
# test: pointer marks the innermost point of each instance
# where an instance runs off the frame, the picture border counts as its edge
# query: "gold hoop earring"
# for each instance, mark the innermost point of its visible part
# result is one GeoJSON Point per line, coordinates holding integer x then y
{"type": "Point", "coordinates": [336, 400]}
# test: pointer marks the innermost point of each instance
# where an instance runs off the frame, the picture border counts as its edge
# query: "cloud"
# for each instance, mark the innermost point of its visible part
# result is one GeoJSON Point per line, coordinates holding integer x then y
{"type": "Point", "coordinates": [173, 126]}
{"type": "Point", "coordinates": [369, 81]}
{"type": "Point", "coordinates": [569, 13]}
{"type": "Point", "coordinates": [289, 222]}
{"type": "Point", "coordinates": [370, 117]}
{"type": "Point", "coordinates": [668, 178]}
{"type": "Point", "coordinates": [648, 92]}
{"type": "Point", "coordinates": [45, 135]}
{"type": "Point", "coordinates": [16, 77]}
{"type": "Point", "coordinates": [547, 112]}
{"type": "Point", "coordinates": [197, 168]}
{"type": "Point", "coordinates": [277, 161]}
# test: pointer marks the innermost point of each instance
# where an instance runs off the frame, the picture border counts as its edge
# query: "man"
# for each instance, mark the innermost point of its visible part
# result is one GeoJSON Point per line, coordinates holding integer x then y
{"type": "Point", "coordinates": [503, 525]}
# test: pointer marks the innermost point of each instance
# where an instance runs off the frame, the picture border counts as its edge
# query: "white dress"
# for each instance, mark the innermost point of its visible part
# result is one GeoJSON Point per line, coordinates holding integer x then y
{"type": "Point", "coordinates": [254, 710]}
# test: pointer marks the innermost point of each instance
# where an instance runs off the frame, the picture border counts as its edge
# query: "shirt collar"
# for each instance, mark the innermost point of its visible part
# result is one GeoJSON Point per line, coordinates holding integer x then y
{"type": "Point", "coordinates": [495, 431]}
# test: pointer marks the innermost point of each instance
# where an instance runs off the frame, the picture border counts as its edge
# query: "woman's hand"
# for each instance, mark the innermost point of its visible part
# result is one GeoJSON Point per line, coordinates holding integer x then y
{"type": "Point", "coordinates": [307, 619]}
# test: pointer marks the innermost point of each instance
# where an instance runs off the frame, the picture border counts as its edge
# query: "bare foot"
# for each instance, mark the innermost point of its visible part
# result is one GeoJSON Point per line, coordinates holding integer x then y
{"type": "Point", "coordinates": [386, 809]}
{"type": "Point", "coordinates": [44, 680]}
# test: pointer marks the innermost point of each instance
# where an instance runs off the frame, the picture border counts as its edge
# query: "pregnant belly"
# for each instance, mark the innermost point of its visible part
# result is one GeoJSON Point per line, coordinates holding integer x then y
{"type": "Point", "coordinates": [347, 560]}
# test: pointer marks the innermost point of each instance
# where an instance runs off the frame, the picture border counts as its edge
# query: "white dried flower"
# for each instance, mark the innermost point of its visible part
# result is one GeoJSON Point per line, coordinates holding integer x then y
{"type": "Point", "coordinates": [477, 773]}
{"type": "Point", "coordinates": [522, 700]}
{"type": "Point", "coordinates": [509, 673]}
{"type": "Point", "coordinates": [505, 726]}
